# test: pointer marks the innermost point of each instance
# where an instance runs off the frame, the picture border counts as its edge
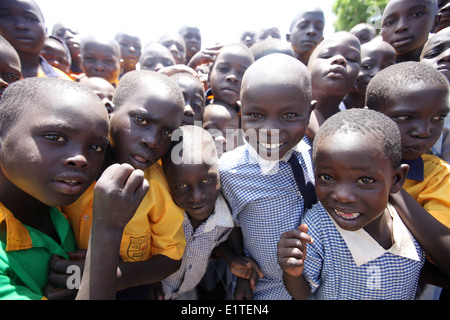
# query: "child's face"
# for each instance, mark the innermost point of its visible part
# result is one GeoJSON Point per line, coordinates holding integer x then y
{"type": "Point", "coordinates": [277, 114]}
{"type": "Point", "coordinates": [334, 65]}
{"type": "Point", "coordinates": [419, 114]}
{"type": "Point", "coordinates": [100, 60]}
{"type": "Point", "coordinates": [103, 89]}
{"type": "Point", "coordinates": [130, 48]}
{"type": "Point", "coordinates": [375, 56]}
{"type": "Point", "coordinates": [142, 126]}
{"type": "Point", "coordinates": [193, 40]}
{"type": "Point", "coordinates": [195, 188]}
{"type": "Point", "coordinates": [307, 32]}
{"type": "Point", "coordinates": [156, 57]}
{"type": "Point", "coordinates": [406, 24]}
{"type": "Point", "coordinates": [56, 55]}
{"type": "Point", "coordinates": [194, 99]}
{"type": "Point", "coordinates": [10, 69]}
{"type": "Point", "coordinates": [176, 46]}
{"type": "Point", "coordinates": [226, 75]}
{"type": "Point", "coordinates": [22, 24]}
{"type": "Point", "coordinates": [436, 52]}
{"type": "Point", "coordinates": [222, 124]}
{"type": "Point", "coordinates": [267, 33]}
{"type": "Point", "coordinates": [353, 179]}
{"type": "Point", "coordinates": [61, 149]}
{"type": "Point", "coordinates": [444, 14]}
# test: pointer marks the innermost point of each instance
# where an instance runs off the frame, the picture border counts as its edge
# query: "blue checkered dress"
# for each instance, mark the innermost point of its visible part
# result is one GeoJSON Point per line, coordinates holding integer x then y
{"type": "Point", "coordinates": [265, 206]}
{"type": "Point", "coordinates": [333, 274]}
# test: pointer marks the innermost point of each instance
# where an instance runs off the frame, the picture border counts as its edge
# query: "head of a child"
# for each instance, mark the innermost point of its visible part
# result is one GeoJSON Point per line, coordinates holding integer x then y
{"type": "Point", "coordinates": [444, 15]}
{"type": "Point", "coordinates": [103, 89]}
{"type": "Point", "coordinates": [100, 57]}
{"type": "Point", "coordinates": [194, 96]}
{"type": "Point", "coordinates": [267, 33]}
{"type": "Point", "coordinates": [406, 25]}
{"type": "Point", "coordinates": [436, 52]}
{"type": "Point", "coordinates": [148, 107]}
{"type": "Point", "coordinates": [415, 96]}
{"type": "Point", "coordinates": [269, 46]}
{"type": "Point", "coordinates": [357, 160]}
{"type": "Point", "coordinates": [223, 124]}
{"type": "Point", "coordinates": [176, 45]}
{"type": "Point", "coordinates": [306, 32]}
{"type": "Point", "coordinates": [63, 131]}
{"type": "Point", "coordinates": [29, 37]}
{"type": "Point", "coordinates": [375, 56]}
{"type": "Point", "coordinates": [130, 50]}
{"type": "Point", "coordinates": [276, 100]}
{"type": "Point", "coordinates": [334, 66]}
{"type": "Point", "coordinates": [56, 52]}
{"type": "Point", "coordinates": [247, 38]}
{"type": "Point", "coordinates": [72, 39]}
{"type": "Point", "coordinates": [191, 168]}
{"type": "Point", "coordinates": [365, 32]}
{"type": "Point", "coordinates": [155, 57]}
{"type": "Point", "coordinates": [10, 67]}
{"type": "Point", "coordinates": [226, 73]}
{"type": "Point", "coordinates": [192, 38]}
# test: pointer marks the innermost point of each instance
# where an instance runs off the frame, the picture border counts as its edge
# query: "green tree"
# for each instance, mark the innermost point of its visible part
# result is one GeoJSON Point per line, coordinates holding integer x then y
{"type": "Point", "coordinates": [351, 12]}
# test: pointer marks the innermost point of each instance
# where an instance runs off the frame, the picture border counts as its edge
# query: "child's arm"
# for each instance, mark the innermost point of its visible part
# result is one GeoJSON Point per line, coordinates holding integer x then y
{"type": "Point", "coordinates": [433, 236]}
{"type": "Point", "coordinates": [291, 252]}
{"type": "Point", "coordinates": [117, 195]}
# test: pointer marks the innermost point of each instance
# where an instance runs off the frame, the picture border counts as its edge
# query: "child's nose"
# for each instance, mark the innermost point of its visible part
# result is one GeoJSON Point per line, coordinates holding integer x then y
{"type": "Point", "coordinates": [78, 161]}
{"type": "Point", "coordinates": [339, 59]}
{"type": "Point", "coordinates": [343, 194]}
{"type": "Point", "coordinates": [232, 78]}
{"type": "Point", "coordinates": [402, 25]}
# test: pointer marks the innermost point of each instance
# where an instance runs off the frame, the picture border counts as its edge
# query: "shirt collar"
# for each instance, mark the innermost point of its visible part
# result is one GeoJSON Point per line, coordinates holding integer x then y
{"type": "Point", "coordinates": [365, 249]}
{"type": "Point", "coordinates": [271, 166]}
{"type": "Point", "coordinates": [416, 169]}
{"type": "Point", "coordinates": [17, 235]}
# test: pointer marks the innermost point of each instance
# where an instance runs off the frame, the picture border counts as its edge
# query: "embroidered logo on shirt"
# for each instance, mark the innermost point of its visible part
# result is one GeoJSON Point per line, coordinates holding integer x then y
{"type": "Point", "coordinates": [138, 247]}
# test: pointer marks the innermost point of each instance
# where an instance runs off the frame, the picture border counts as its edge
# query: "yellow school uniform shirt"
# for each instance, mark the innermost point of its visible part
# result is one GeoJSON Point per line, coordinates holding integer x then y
{"type": "Point", "coordinates": [156, 228]}
{"type": "Point", "coordinates": [429, 183]}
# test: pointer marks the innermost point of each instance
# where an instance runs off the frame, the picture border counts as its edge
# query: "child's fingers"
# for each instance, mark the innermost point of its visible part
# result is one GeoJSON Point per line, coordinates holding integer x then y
{"type": "Point", "coordinates": [135, 183]}
{"type": "Point", "coordinates": [303, 236]}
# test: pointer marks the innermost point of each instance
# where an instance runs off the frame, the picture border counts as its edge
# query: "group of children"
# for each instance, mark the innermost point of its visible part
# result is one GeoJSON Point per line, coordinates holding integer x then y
{"type": "Point", "coordinates": [312, 168]}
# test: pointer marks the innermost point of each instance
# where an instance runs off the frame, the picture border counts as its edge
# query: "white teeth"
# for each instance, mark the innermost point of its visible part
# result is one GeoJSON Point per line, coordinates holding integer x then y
{"type": "Point", "coordinates": [71, 182]}
{"type": "Point", "coordinates": [348, 216]}
{"type": "Point", "coordinates": [270, 145]}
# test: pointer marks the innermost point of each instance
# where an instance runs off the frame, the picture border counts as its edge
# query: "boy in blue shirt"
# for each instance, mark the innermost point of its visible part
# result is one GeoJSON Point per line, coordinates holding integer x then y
{"type": "Point", "coordinates": [256, 178]}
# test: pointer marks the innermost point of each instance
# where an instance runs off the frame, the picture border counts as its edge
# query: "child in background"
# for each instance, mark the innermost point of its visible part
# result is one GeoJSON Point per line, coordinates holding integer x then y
{"type": "Point", "coordinates": [267, 33]}
{"type": "Point", "coordinates": [63, 129]}
{"type": "Point", "coordinates": [130, 50]}
{"type": "Point", "coordinates": [436, 53]}
{"type": "Point", "coordinates": [375, 56]}
{"type": "Point", "coordinates": [176, 45]}
{"type": "Point", "coordinates": [223, 124]}
{"type": "Point", "coordinates": [257, 179]}
{"type": "Point", "coordinates": [269, 46]}
{"type": "Point", "coordinates": [155, 57]}
{"type": "Point", "coordinates": [193, 177]}
{"type": "Point", "coordinates": [148, 107]}
{"type": "Point", "coordinates": [192, 39]}
{"type": "Point", "coordinates": [334, 66]}
{"type": "Point", "coordinates": [406, 25]}
{"type": "Point", "coordinates": [247, 38]}
{"type": "Point", "coordinates": [365, 32]}
{"type": "Point", "coordinates": [103, 89]}
{"type": "Point", "coordinates": [29, 39]}
{"type": "Point", "coordinates": [306, 32]}
{"type": "Point", "coordinates": [353, 244]}
{"type": "Point", "coordinates": [57, 54]}
{"type": "Point", "coordinates": [10, 70]}
{"type": "Point", "coordinates": [72, 39]}
{"type": "Point", "coordinates": [444, 15]}
{"type": "Point", "coordinates": [226, 75]}
{"type": "Point", "coordinates": [100, 57]}
{"type": "Point", "coordinates": [194, 97]}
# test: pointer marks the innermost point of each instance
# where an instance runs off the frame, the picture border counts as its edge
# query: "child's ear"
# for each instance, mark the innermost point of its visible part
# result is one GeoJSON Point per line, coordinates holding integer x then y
{"type": "Point", "coordinates": [399, 177]}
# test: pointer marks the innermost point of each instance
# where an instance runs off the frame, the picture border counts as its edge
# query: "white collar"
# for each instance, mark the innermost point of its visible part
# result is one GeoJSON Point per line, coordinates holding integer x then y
{"type": "Point", "coordinates": [365, 249]}
{"type": "Point", "coordinates": [267, 166]}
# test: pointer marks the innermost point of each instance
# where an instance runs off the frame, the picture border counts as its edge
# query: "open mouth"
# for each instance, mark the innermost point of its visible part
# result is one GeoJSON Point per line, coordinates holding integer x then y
{"type": "Point", "coordinates": [70, 186]}
{"type": "Point", "coordinates": [401, 42]}
{"type": "Point", "coordinates": [347, 216]}
{"type": "Point", "coordinates": [270, 146]}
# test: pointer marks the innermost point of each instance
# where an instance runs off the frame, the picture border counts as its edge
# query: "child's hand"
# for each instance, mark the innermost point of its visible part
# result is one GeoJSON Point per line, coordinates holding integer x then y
{"type": "Point", "coordinates": [117, 195]}
{"type": "Point", "coordinates": [246, 268]}
{"type": "Point", "coordinates": [291, 250]}
{"type": "Point", "coordinates": [243, 291]}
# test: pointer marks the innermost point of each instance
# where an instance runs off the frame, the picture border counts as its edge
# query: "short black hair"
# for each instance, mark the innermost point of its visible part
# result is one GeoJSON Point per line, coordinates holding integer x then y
{"type": "Point", "coordinates": [395, 81]}
{"type": "Point", "coordinates": [31, 93]}
{"type": "Point", "coordinates": [129, 83]}
{"type": "Point", "coordinates": [368, 123]}
{"type": "Point", "coordinates": [269, 46]}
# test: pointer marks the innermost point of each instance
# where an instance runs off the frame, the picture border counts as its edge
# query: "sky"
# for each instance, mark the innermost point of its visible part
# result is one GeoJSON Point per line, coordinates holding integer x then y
{"type": "Point", "coordinates": [220, 21]}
